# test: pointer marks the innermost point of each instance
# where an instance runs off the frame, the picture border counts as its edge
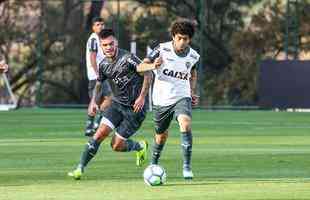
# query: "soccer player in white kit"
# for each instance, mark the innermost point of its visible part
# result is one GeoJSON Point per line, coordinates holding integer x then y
{"type": "Point", "coordinates": [94, 55]}
{"type": "Point", "coordinates": [173, 64]}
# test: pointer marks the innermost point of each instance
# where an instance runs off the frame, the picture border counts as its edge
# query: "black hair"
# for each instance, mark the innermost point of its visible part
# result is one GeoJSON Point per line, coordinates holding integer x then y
{"type": "Point", "coordinates": [104, 33]}
{"type": "Point", "coordinates": [183, 27]}
{"type": "Point", "coordinates": [96, 19]}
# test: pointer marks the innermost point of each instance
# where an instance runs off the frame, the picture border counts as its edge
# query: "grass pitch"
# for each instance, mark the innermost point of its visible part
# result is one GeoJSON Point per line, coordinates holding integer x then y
{"type": "Point", "coordinates": [236, 155]}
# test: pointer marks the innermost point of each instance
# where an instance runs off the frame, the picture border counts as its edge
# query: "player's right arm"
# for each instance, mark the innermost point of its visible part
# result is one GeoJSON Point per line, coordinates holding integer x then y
{"type": "Point", "coordinates": [93, 61]}
{"type": "Point", "coordinates": [93, 49]}
{"type": "Point", "coordinates": [97, 91]}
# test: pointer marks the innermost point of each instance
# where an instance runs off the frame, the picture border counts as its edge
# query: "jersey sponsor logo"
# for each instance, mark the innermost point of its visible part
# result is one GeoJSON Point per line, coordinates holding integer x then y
{"type": "Point", "coordinates": [175, 74]}
{"type": "Point", "coordinates": [193, 56]}
{"type": "Point", "coordinates": [170, 59]}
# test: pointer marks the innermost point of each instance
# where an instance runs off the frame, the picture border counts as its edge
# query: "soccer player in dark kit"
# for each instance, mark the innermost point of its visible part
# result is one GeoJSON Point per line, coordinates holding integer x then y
{"type": "Point", "coordinates": [127, 111]}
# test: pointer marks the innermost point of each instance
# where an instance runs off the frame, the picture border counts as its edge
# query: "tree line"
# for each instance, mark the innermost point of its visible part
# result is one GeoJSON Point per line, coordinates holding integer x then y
{"type": "Point", "coordinates": [44, 42]}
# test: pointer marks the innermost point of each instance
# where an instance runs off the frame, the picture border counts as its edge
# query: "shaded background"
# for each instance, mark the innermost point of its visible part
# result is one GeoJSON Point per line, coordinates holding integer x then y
{"type": "Point", "coordinates": [44, 43]}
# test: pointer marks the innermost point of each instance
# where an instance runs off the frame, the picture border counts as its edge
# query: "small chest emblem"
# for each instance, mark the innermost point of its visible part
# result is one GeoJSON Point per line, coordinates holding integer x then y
{"type": "Point", "coordinates": [187, 64]}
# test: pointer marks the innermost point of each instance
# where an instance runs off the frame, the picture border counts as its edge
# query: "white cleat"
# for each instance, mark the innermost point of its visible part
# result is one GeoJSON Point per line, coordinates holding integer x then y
{"type": "Point", "coordinates": [188, 174]}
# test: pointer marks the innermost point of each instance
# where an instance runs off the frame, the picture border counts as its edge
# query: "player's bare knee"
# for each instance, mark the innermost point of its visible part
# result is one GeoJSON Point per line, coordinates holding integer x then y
{"type": "Point", "coordinates": [117, 144]}
{"type": "Point", "coordinates": [116, 147]}
{"type": "Point", "coordinates": [102, 132]}
{"type": "Point", "coordinates": [185, 123]}
{"type": "Point", "coordinates": [161, 137]}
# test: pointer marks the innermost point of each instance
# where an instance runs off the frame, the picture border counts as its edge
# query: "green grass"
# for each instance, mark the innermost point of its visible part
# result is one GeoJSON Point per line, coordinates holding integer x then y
{"type": "Point", "coordinates": [236, 155]}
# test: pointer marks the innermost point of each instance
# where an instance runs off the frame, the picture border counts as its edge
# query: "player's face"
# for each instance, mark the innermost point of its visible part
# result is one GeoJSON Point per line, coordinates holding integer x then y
{"type": "Point", "coordinates": [180, 42]}
{"type": "Point", "coordinates": [109, 46]}
{"type": "Point", "coordinates": [98, 26]}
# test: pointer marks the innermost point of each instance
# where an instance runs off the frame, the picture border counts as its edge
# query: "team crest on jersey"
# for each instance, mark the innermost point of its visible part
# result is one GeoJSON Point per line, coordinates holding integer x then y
{"type": "Point", "coordinates": [187, 64]}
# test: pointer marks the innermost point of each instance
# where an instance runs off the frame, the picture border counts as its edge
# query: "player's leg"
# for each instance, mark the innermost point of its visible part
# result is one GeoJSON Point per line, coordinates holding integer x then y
{"type": "Point", "coordinates": [105, 98]}
{"type": "Point", "coordinates": [106, 102]}
{"type": "Point", "coordinates": [183, 111]}
{"type": "Point", "coordinates": [111, 118]}
{"type": "Point", "coordinates": [90, 113]}
{"type": "Point", "coordinates": [90, 150]}
{"type": "Point", "coordinates": [121, 144]}
{"type": "Point", "coordinates": [93, 144]}
{"type": "Point", "coordinates": [162, 120]}
{"type": "Point", "coordinates": [158, 146]}
{"type": "Point", "coordinates": [129, 126]}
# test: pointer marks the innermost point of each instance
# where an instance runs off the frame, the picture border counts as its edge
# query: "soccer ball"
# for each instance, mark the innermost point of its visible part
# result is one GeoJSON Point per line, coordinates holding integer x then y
{"type": "Point", "coordinates": [154, 175]}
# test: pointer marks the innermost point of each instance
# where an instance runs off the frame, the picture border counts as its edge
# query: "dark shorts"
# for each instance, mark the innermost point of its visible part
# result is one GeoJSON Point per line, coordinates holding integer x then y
{"type": "Point", "coordinates": [123, 119]}
{"type": "Point", "coordinates": [163, 115]}
{"type": "Point", "coordinates": [106, 89]}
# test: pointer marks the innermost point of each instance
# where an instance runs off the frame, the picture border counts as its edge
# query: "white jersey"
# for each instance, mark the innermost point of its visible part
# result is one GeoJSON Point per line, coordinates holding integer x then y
{"type": "Point", "coordinates": [93, 45]}
{"type": "Point", "coordinates": [172, 79]}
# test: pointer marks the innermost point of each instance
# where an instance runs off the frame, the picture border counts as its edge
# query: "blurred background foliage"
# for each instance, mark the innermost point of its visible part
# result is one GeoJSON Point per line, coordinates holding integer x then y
{"type": "Point", "coordinates": [44, 42]}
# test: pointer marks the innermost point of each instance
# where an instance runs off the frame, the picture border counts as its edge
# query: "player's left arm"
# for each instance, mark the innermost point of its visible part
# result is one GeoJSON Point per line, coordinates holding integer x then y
{"type": "Point", "coordinates": [134, 62]}
{"type": "Point", "coordinates": [193, 84]}
{"type": "Point", "coordinates": [140, 101]}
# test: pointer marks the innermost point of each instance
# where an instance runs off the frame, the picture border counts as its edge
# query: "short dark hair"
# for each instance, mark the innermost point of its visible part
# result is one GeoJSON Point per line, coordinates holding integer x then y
{"type": "Point", "coordinates": [96, 19]}
{"type": "Point", "coordinates": [104, 33]}
{"type": "Point", "coordinates": [183, 27]}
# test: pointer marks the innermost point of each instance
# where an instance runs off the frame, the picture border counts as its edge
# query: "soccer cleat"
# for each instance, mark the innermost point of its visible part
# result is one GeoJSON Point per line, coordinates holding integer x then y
{"type": "Point", "coordinates": [76, 174]}
{"type": "Point", "coordinates": [188, 174]}
{"type": "Point", "coordinates": [141, 155]}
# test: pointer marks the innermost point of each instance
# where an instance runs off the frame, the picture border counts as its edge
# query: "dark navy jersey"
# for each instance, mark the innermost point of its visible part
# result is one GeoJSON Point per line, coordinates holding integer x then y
{"type": "Point", "coordinates": [126, 81]}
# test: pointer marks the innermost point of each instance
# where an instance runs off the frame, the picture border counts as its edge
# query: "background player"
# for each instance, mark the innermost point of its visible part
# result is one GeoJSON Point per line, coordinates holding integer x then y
{"type": "Point", "coordinates": [94, 56]}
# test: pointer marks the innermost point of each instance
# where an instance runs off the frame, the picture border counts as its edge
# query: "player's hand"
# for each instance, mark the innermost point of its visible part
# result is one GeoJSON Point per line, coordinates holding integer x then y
{"type": "Point", "coordinates": [195, 99]}
{"type": "Point", "coordinates": [139, 103]}
{"type": "Point", "coordinates": [3, 67]}
{"type": "Point", "coordinates": [157, 62]}
{"type": "Point", "coordinates": [92, 109]}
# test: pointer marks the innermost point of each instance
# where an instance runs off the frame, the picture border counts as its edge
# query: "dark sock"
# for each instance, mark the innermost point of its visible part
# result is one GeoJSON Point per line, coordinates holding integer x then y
{"type": "Point", "coordinates": [187, 143]}
{"type": "Point", "coordinates": [97, 119]}
{"type": "Point", "coordinates": [157, 148]}
{"type": "Point", "coordinates": [132, 145]}
{"type": "Point", "coordinates": [90, 151]}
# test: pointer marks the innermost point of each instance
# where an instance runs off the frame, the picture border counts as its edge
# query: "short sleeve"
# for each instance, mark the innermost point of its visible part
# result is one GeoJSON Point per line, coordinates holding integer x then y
{"type": "Point", "coordinates": [133, 61]}
{"type": "Point", "coordinates": [102, 77]}
{"type": "Point", "coordinates": [93, 45]}
{"type": "Point", "coordinates": [154, 54]}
